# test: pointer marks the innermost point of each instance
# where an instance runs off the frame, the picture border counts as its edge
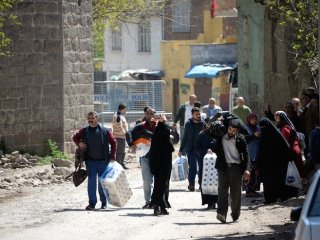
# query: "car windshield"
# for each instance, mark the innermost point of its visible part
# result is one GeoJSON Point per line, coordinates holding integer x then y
{"type": "Point", "coordinates": [314, 210]}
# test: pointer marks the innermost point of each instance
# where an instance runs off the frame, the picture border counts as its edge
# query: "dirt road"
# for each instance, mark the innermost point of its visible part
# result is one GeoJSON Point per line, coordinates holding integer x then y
{"type": "Point", "coordinates": [57, 212]}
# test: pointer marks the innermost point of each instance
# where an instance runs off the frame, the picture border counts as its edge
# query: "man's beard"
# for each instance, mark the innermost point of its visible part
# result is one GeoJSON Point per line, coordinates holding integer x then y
{"type": "Point", "coordinates": [230, 136]}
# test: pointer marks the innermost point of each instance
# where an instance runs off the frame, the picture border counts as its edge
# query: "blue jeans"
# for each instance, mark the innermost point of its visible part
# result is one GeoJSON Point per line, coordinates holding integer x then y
{"type": "Point", "coordinates": [147, 178]}
{"type": "Point", "coordinates": [95, 169]}
{"type": "Point", "coordinates": [193, 159]}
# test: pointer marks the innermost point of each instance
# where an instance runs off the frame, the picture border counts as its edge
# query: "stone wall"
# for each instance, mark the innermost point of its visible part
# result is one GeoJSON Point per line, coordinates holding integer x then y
{"type": "Point", "coordinates": [46, 86]}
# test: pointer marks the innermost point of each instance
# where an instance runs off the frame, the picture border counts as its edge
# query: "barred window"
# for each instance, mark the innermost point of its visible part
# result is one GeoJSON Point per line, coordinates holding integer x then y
{"type": "Point", "coordinates": [144, 38]}
{"type": "Point", "coordinates": [181, 12]}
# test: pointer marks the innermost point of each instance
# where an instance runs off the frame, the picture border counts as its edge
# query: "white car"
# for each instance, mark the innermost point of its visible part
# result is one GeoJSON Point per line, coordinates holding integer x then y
{"type": "Point", "coordinates": [308, 227]}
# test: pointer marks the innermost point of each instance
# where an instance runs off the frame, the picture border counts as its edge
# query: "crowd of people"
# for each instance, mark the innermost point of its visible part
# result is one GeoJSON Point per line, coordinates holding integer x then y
{"type": "Point", "coordinates": [250, 151]}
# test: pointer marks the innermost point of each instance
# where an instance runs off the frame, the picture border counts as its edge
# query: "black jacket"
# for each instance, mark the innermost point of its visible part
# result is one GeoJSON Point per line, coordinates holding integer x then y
{"type": "Point", "coordinates": [241, 145]}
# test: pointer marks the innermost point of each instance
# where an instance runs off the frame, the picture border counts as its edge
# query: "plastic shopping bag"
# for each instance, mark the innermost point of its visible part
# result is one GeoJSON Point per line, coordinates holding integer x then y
{"type": "Point", "coordinates": [293, 177]}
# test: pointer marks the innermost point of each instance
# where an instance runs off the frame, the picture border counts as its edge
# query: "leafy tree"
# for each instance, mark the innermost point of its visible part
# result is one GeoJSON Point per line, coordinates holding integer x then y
{"type": "Point", "coordinates": [6, 18]}
{"type": "Point", "coordinates": [300, 17]}
{"type": "Point", "coordinates": [112, 12]}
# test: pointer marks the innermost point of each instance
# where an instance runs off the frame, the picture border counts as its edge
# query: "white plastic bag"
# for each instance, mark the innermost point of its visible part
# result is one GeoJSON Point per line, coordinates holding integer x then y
{"type": "Point", "coordinates": [180, 169]}
{"type": "Point", "coordinates": [293, 177]}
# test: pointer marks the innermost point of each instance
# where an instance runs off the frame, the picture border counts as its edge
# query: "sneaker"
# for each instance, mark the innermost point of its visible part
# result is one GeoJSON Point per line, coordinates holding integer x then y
{"type": "Point", "coordinates": [90, 207]}
{"type": "Point", "coordinates": [103, 206]}
{"type": "Point", "coordinates": [191, 188]}
{"type": "Point", "coordinates": [147, 206]}
{"type": "Point", "coordinates": [221, 218]}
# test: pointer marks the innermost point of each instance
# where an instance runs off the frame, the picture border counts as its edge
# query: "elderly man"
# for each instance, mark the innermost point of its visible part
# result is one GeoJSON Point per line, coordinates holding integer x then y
{"type": "Point", "coordinates": [241, 110]}
{"type": "Point", "coordinates": [184, 114]}
{"type": "Point", "coordinates": [211, 109]}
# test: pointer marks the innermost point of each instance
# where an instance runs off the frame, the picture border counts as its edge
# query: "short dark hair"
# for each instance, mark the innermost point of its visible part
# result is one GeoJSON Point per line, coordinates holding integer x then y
{"type": "Point", "coordinates": [122, 106]}
{"type": "Point", "coordinates": [197, 104]}
{"type": "Point", "coordinates": [195, 109]}
{"type": "Point", "coordinates": [234, 123]}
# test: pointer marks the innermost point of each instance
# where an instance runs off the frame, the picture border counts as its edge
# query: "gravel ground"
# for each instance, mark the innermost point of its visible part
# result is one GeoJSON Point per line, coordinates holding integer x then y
{"type": "Point", "coordinates": [57, 212]}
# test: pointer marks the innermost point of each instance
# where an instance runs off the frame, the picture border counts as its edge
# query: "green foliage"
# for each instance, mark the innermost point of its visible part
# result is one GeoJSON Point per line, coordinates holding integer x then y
{"type": "Point", "coordinates": [300, 18]}
{"type": "Point", "coordinates": [112, 12]}
{"type": "Point", "coordinates": [7, 18]}
{"type": "Point", "coordinates": [53, 153]}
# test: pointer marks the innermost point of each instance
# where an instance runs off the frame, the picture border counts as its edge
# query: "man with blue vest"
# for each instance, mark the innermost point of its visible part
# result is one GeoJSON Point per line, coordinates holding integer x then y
{"type": "Point", "coordinates": [95, 139]}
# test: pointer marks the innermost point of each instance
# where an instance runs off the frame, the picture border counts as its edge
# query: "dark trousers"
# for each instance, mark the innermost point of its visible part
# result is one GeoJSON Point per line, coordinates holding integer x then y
{"type": "Point", "coordinates": [231, 179]}
{"type": "Point", "coordinates": [121, 147]}
{"type": "Point", "coordinates": [193, 159]}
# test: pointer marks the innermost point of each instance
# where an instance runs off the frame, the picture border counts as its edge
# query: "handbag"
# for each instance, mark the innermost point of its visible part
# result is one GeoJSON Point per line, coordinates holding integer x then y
{"type": "Point", "coordinates": [79, 174]}
{"type": "Point", "coordinates": [293, 177]}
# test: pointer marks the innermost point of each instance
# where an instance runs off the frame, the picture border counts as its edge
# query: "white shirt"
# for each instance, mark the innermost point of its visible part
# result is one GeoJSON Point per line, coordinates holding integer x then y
{"type": "Point", "coordinates": [187, 113]}
{"type": "Point", "coordinates": [230, 151]}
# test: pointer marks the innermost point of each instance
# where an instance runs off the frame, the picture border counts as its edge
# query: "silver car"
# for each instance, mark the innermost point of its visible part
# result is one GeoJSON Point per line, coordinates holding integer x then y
{"type": "Point", "coordinates": [308, 227]}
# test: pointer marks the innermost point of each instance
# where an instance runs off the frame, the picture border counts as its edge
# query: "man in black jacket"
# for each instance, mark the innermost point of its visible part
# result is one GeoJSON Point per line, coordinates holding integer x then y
{"type": "Point", "coordinates": [232, 159]}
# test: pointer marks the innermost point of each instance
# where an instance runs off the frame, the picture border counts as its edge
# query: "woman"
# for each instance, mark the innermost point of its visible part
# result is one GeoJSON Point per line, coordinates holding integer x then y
{"type": "Point", "coordinates": [160, 161]}
{"type": "Point", "coordinates": [273, 157]}
{"type": "Point", "coordinates": [203, 143]}
{"type": "Point", "coordinates": [252, 139]}
{"type": "Point", "coordinates": [289, 132]}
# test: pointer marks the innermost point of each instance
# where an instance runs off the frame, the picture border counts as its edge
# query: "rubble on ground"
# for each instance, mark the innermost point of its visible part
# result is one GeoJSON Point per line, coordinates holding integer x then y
{"type": "Point", "coordinates": [19, 170]}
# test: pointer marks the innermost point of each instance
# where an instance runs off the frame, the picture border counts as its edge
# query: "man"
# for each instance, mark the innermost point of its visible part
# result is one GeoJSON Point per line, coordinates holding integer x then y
{"type": "Point", "coordinates": [231, 163]}
{"type": "Point", "coordinates": [144, 117]}
{"type": "Point", "coordinates": [241, 110]}
{"type": "Point", "coordinates": [145, 127]}
{"type": "Point", "coordinates": [95, 139]}
{"type": "Point", "coordinates": [184, 113]}
{"type": "Point", "coordinates": [188, 144]}
{"type": "Point", "coordinates": [119, 129]}
{"type": "Point", "coordinates": [211, 109]}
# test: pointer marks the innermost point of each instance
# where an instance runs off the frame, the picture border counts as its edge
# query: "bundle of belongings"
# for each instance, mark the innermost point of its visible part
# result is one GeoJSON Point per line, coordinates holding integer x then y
{"type": "Point", "coordinates": [141, 138]}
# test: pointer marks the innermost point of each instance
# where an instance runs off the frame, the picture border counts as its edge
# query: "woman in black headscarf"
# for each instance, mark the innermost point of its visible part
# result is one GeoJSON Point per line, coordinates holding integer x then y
{"type": "Point", "coordinates": [160, 162]}
{"type": "Point", "coordinates": [273, 157]}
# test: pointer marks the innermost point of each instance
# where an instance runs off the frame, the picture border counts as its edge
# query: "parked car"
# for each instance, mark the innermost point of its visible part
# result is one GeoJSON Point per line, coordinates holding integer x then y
{"type": "Point", "coordinates": [308, 227]}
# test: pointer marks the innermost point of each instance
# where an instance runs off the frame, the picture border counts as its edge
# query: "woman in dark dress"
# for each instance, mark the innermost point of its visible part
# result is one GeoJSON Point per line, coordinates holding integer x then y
{"type": "Point", "coordinates": [160, 161]}
{"type": "Point", "coordinates": [203, 143]}
{"type": "Point", "coordinates": [273, 157]}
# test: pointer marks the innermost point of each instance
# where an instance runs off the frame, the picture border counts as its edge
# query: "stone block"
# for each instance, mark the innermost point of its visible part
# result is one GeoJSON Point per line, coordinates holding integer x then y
{"type": "Point", "coordinates": [46, 7]}
{"type": "Point", "coordinates": [53, 19]}
{"type": "Point", "coordinates": [22, 46]}
{"type": "Point", "coordinates": [41, 32]}
{"type": "Point", "coordinates": [39, 19]}
{"type": "Point", "coordinates": [16, 59]}
{"type": "Point", "coordinates": [25, 7]}
{"type": "Point", "coordinates": [52, 46]}
{"type": "Point", "coordinates": [34, 58]}
{"type": "Point", "coordinates": [39, 79]}
{"type": "Point", "coordinates": [51, 90]}
{"type": "Point", "coordinates": [21, 139]}
{"type": "Point", "coordinates": [14, 92]}
{"type": "Point", "coordinates": [15, 70]}
{"type": "Point", "coordinates": [9, 104]}
{"type": "Point", "coordinates": [25, 80]}
{"type": "Point", "coordinates": [38, 45]}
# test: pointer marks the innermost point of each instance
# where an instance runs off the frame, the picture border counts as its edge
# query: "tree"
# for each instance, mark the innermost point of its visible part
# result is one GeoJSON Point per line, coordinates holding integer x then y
{"type": "Point", "coordinates": [300, 17]}
{"type": "Point", "coordinates": [112, 12]}
{"type": "Point", "coordinates": [6, 18]}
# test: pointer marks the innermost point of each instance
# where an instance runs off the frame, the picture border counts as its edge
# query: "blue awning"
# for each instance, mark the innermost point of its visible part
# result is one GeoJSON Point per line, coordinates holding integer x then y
{"type": "Point", "coordinates": [207, 70]}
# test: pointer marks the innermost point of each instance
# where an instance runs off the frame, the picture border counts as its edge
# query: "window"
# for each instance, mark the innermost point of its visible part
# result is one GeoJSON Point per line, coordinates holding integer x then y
{"type": "Point", "coordinates": [181, 11]}
{"type": "Point", "coordinates": [144, 38]}
{"type": "Point", "coordinates": [116, 34]}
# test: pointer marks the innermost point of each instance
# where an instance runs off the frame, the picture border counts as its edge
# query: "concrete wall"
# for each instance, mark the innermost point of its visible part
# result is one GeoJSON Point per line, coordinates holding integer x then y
{"type": "Point", "coordinates": [251, 52]}
{"type": "Point", "coordinates": [46, 86]}
{"type": "Point", "coordinates": [129, 57]}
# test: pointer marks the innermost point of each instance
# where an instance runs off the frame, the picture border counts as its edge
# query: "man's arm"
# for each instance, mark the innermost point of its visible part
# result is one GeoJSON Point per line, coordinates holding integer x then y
{"type": "Point", "coordinates": [113, 143]}
{"type": "Point", "coordinates": [178, 116]}
{"type": "Point", "coordinates": [78, 139]}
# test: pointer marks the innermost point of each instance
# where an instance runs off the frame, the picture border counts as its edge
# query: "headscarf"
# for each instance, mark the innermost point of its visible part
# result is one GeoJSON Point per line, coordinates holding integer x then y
{"type": "Point", "coordinates": [284, 120]}
{"type": "Point", "coordinates": [252, 127]}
